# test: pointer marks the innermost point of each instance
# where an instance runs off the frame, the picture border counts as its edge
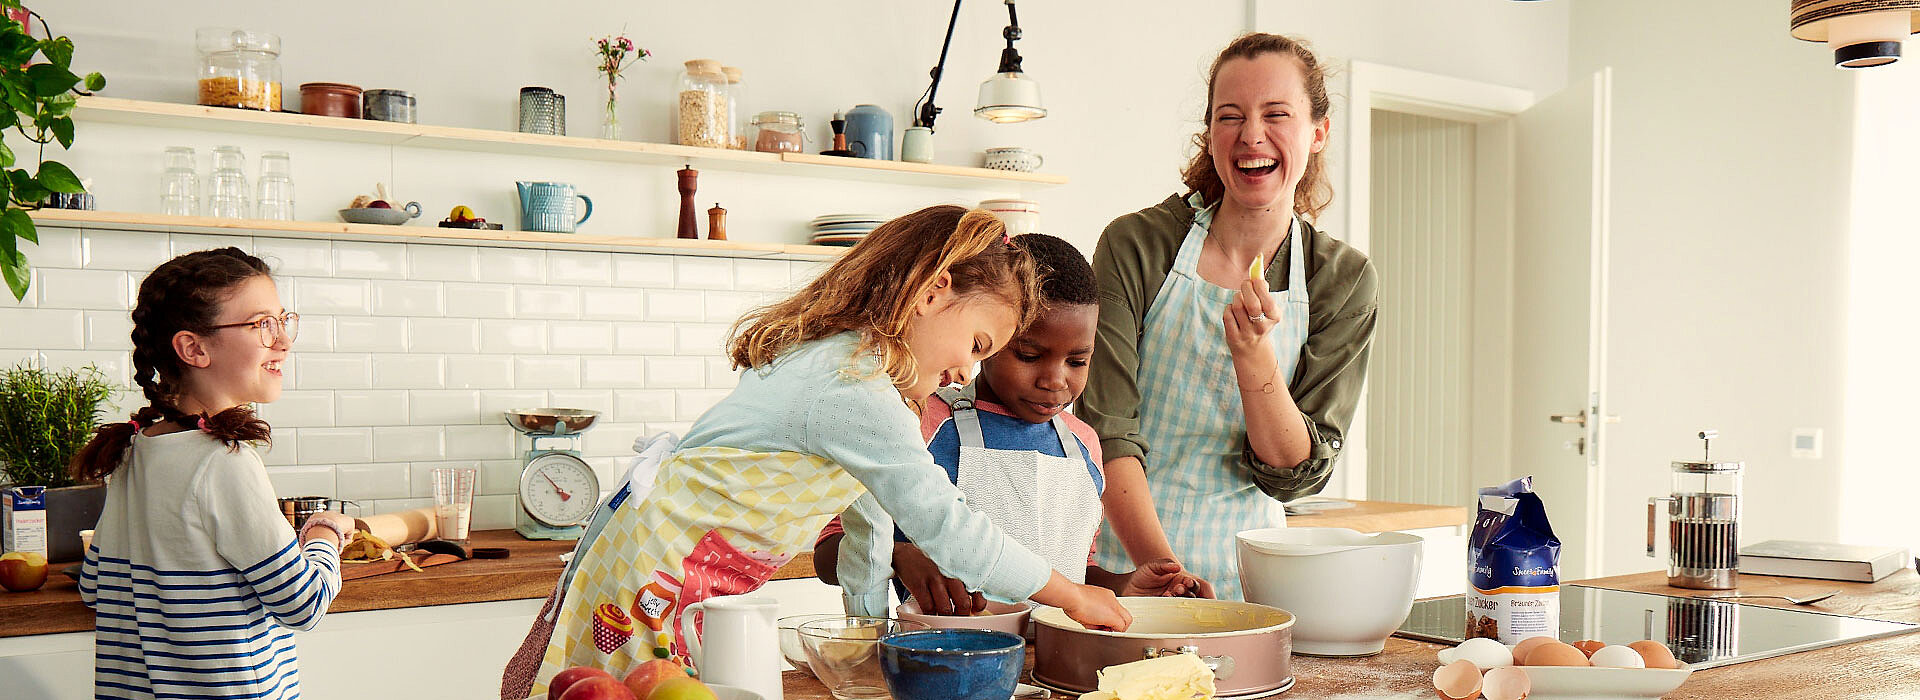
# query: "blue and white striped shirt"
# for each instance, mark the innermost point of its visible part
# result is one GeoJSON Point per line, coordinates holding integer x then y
{"type": "Point", "coordinates": [195, 578]}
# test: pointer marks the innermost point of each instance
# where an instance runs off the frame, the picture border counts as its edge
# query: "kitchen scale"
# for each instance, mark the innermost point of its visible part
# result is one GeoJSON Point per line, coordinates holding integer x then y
{"type": "Point", "coordinates": [558, 489]}
{"type": "Point", "coordinates": [1703, 633]}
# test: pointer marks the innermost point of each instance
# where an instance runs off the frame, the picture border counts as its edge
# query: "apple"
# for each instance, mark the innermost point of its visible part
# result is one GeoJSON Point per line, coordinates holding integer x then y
{"type": "Point", "coordinates": [23, 571]}
{"type": "Point", "coordinates": [379, 204]}
{"type": "Point", "coordinates": [682, 688]}
{"type": "Point", "coordinates": [604, 687]}
{"type": "Point", "coordinates": [565, 679]}
{"type": "Point", "coordinates": [645, 677]}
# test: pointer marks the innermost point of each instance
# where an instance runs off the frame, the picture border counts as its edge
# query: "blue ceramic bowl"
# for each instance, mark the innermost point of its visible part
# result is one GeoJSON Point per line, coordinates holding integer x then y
{"type": "Point", "coordinates": [952, 664]}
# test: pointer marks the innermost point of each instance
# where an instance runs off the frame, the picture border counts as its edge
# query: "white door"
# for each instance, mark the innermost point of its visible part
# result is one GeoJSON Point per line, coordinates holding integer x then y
{"type": "Point", "coordinates": [1561, 171]}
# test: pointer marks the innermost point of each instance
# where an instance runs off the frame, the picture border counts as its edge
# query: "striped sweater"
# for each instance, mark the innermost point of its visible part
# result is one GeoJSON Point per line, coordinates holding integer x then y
{"type": "Point", "coordinates": [195, 578]}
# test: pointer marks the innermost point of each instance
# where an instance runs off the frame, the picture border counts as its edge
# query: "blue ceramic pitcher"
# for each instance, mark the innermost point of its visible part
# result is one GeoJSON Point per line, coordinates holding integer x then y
{"type": "Point", "coordinates": [870, 132]}
{"type": "Point", "coordinates": [549, 206]}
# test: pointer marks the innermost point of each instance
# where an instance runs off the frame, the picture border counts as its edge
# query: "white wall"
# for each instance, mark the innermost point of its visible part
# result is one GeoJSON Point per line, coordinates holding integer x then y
{"type": "Point", "coordinates": [1729, 222]}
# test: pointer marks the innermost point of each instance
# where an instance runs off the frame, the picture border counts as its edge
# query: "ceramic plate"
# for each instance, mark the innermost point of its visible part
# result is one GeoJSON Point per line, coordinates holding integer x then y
{"type": "Point", "coordinates": [847, 218]}
{"type": "Point", "coordinates": [1576, 683]}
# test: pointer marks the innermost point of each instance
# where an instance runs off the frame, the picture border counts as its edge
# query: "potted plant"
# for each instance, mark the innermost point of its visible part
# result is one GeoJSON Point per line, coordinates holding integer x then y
{"type": "Point", "coordinates": [38, 91]}
{"type": "Point", "coordinates": [46, 416]}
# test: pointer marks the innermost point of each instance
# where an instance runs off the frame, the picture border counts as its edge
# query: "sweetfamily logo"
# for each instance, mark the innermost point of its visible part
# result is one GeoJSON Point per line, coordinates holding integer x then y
{"type": "Point", "coordinates": [1537, 571]}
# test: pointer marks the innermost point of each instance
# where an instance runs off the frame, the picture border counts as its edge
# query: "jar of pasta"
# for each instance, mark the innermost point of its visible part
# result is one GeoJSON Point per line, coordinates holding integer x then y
{"type": "Point", "coordinates": [239, 68]}
{"type": "Point", "coordinates": [701, 107]}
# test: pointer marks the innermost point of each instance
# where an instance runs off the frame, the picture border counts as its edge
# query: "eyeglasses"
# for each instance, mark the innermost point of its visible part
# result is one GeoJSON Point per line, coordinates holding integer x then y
{"type": "Point", "coordinates": [271, 328]}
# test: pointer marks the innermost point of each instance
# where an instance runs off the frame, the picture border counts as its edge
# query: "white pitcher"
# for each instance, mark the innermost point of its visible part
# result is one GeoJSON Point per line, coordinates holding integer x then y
{"type": "Point", "coordinates": [745, 639]}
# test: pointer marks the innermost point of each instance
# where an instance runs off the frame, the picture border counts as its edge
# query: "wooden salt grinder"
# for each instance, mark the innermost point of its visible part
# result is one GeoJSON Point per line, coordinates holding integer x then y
{"type": "Point", "coordinates": [716, 223]}
{"type": "Point", "coordinates": [689, 220]}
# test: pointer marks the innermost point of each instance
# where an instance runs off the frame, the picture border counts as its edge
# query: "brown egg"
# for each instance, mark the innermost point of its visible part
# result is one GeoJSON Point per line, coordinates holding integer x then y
{"type": "Point", "coordinates": [1556, 654]}
{"type": "Point", "coordinates": [1588, 646]}
{"type": "Point", "coordinates": [1526, 645]}
{"type": "Point", "coordinates": [1655, 654]}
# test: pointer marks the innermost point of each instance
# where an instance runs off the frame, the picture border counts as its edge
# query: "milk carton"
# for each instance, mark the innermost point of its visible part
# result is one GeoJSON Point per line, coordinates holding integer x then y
{"type": "Point", "coordinates": [23, 512]}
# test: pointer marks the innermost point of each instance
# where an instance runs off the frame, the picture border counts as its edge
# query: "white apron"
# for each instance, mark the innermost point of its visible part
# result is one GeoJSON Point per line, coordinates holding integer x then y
{"type": "Point", "coordinates": [1192, 419]}
{"type": "Point", "coordinates": [1049, 504]}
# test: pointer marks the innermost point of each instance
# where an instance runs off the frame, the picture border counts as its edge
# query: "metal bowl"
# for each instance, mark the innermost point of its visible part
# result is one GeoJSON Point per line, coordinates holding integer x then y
{"type": "Point", "coordinates": [551, 421]}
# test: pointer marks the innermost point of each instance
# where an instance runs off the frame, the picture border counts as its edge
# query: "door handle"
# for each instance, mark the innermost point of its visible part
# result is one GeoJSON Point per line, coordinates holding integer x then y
{"type": "Point", "coordinates": [1579, 419]}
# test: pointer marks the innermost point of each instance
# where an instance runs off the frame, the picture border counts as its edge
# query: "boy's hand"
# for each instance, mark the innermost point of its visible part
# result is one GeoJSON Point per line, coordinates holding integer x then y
{"type": "Point", "coordinates": [934, 591]}
{"type": "Point", "coordinates": [1165, 577]}
{"type": "Point", "coordinates": [1096, 608]}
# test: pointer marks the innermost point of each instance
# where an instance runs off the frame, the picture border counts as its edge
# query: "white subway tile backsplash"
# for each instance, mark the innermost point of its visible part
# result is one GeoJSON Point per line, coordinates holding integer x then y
{"type": "Point", "coordinates": [325, 371]}
{"type": "Point", "coordinates": [109, 330]}
{"type": "Point", "coordinates": [690, 403]}
{"type": "Point", "coordinates": [84, 289]}
{"type": "Point", "coordinates": [58, 248]}
{"type": "Point", "coordinates": [184, 243]}
{"type": "Point", "coordinates": [316, 333]}
{"type": "Point", "coordinates": [299, 409]}
{"type": "Point", "coordinates": [646, 405]}
{"type": "Point", "coordinates": [307, 480]}
{"type": "Point", "coordinates": [369, 334]}
{"type": "Point", "coordinates": [446, 263]}
{"type": "Point", "coordinates": [42, 329]}
{"type": "Point", "coordinates": [385, 506]}
{"type": "Point", "coordinates": [502, 337]}
{"type": "Point", "coordinates": [397, 444]}
{"type": "Point", "coordinates": [583, 338]}
{"type": "Point", "coordinates": [632, 270]}
{"type": "Point", "coordinates": [137, 251]}
{"type": "Point", "coordinates": [479, 371]}
{"type": "Point", "coordinates": [480, 442]}
{"type": "Point", "coordinates": [366, 482]}
{"type": "Point", "coordinates": [512, 265]}
{"type": "Point", "coordinates": [643, 338]}
{"type": "Point", "coordinates": [443, 335]}
{"type": "Point", "coordinates": [804, 271]}
{"type": "Point", "coordinates": [703, 273]}
{"type": "Point", "coordinates": [331, 296]}
{"type": "Point", "coordinates": [573, 267]}
{"type": "Point", "coordinates": [546, 302]}
{"type": "Point", "coordinates": [615, 372]}
{"type": "Point", "coordinates": [284, 450]}
{"type": "Point", "coordinates": [613, 304]}
{"type": "Point", "coordinates": [370, 260]}
{"type": "Point", "coordinates": [676, 372]}
{"type": "Point", "coordinates": [590, 399]}
{"type": "Point", "coordinates": [372, 407]}
{"type": "Point", "coordinates": [115, 365]}
{"type": "Point", "coordinates": [295, 257]}
{"type": "Point", "coordinates": [421, 481]}
{"type": "Point", "coordinates": [720, 373]}
{"type": "Point", "coordinates": [702, 339]}
{"type": "Point", "coordinates": [409, 371]}
{"type": "Point", "coordinates": [495, 403]}
{"type": "Point", "coordinates": [675, 305]}
{"type": "Point", "coordinates": [611, 440]}
{"type": "Point", "coordinates": [494, 512]}
{"type": "Point", "coordinates": [451, 407]}
{"type": "Point", "coordinates": [761, 275]}
{"type": "Point", "coordinates": [556, 372]}
{"type": "Point", "coordinates": [336, 445]}
{"type": "Point", "coordinates": [400, 298]}
{"type": "Point", "coordinates": [727, 307]}
{"type": "Point", "coordinates": [499, 477]}
{"type": "Point", "coordinates": [479, 301]}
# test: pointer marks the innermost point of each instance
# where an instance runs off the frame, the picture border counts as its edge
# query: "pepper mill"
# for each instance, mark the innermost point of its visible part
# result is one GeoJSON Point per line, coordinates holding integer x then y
{"type": "Point", "coordinates": [839, 125]}
{"type": "Point", "coordinates": [689, 220]}
{"type": "Point", "coordinates": [716, 223]}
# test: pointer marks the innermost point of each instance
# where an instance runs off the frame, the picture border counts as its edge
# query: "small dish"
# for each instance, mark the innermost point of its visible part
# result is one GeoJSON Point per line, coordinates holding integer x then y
{"type": "Point", "coordinates": [1590, 683]}
{"type": "Point", "coordinates": [388, 217]}
{"type": "Point", "coordinates": [1001, 617]}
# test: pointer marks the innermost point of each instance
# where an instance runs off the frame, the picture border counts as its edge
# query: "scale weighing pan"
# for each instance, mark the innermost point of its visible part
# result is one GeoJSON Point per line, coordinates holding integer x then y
{"type": "Point", "coordinates": [551, 421]}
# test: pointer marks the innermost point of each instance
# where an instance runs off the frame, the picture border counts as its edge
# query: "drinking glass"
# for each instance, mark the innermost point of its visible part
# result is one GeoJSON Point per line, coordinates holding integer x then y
{"type": "Point", "coordinates": [453, 502]}
{"type": "Point", "coordinates": [227, 185]}
{"type": "Point", "coordinates": [276, 186]}
{"type": "Point", "coordinates": [844, 652]}
{"type": "Point", "coordinates": [180, 183]}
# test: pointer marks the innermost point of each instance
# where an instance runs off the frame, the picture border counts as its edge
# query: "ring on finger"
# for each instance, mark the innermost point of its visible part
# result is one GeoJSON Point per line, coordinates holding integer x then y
{"type": "Point", "coordinates": [1257, 317]}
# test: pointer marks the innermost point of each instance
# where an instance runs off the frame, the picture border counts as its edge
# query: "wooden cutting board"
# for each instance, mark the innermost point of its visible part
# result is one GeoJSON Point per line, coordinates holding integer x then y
{"type": "Point", "coordinates": [349, 572]}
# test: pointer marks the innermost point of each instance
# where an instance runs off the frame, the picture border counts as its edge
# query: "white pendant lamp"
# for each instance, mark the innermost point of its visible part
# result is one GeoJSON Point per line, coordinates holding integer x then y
{"type": "Point", "coordinates": [1010, 96]}
{"type": "Point", "coordinates": [1863, 33]}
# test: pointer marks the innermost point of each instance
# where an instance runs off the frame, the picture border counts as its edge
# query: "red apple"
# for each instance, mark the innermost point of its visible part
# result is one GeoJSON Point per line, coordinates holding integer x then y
{"type": "Point", "coordinates": [643, 678]}
{"type": "Point", "coordinates": [23, 571]}
{"type": "Point", "coordinates": [565, 679]}
{"type": "Point", "coordinates": [596, 688]}
{"type": "Point", "coordinates": [682, 688]}
{"type": "Point", "coordinates": [379, 204]}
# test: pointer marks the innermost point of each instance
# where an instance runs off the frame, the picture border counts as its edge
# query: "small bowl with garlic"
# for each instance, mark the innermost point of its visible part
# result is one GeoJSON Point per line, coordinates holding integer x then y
{"type": "Point", "coordinates": [1000, 617]}
{"type": "Point", "coordinates": [1555, 670]}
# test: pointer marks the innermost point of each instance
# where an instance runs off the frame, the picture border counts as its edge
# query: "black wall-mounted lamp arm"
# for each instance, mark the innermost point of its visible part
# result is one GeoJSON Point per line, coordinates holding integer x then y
{"type": "Point", "coordinates": [1009, 58]}
{"type": "Point", "coordinates": [925, 112]}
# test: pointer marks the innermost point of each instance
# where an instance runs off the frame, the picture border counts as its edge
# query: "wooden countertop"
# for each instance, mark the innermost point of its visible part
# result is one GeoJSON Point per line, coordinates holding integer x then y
{"type": "Point", "coordinates": [1385, 516]}
{"type": "Point", "coordinates": [529, 573]}
{"type": "Point", "coordinates": [1868, 670]}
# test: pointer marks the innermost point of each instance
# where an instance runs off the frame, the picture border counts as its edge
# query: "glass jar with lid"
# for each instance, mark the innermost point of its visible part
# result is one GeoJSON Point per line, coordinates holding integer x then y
{"type": "Point", "coordinates": [239, 68]}
{"type": "Point", "coordinates": [701, 106]}
{"type": "Point", "coordinates": [779, 132]}
{"type": "Point", "coordinates": [736, 106]}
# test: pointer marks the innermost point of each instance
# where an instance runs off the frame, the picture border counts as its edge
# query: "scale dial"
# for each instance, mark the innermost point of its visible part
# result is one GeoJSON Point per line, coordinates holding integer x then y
{"type": "Point", "coordinates": [559, 490]}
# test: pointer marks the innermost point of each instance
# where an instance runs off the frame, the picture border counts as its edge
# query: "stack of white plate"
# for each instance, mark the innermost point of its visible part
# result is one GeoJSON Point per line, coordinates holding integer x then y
{"type": "Point", "coordinates": [843, 229]}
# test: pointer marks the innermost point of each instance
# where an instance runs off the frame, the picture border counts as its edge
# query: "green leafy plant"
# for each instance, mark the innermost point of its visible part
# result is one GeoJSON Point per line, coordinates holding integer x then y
{"type": "Point", "coordinates": [46, 416]}
{"type": "Point", "coordinates": [39, 105]}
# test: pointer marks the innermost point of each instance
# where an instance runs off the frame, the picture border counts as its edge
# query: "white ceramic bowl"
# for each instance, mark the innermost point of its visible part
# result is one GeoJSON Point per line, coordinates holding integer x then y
{"type": "Point", "coordinates": [1349, 590]}
{"type": "Point", "coordinates": [1001, 617]}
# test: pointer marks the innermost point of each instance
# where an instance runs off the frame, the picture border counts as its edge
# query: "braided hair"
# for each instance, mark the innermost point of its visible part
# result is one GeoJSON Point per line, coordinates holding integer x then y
{"type": "Point", "coordinates": [182, 294]}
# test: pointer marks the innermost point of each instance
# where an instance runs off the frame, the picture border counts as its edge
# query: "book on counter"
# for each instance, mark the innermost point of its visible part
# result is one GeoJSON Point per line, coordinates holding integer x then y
{"type": "Point", "coordinates": [1824, 560]}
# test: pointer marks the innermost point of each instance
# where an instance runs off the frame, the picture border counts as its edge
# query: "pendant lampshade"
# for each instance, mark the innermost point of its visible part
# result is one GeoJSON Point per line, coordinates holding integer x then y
{"type": "Point", "coordinates": [1009, 97]}
{"type": "Point", "coordinates": [1863, 33]}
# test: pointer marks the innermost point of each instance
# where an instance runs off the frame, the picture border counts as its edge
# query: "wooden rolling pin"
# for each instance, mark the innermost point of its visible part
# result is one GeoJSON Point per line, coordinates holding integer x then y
{"type": "Point", "coordinates": [404, 527]}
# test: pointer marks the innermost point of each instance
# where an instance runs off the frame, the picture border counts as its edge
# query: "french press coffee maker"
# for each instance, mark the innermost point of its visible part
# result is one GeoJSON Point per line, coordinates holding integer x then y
{"type": "Point", "coordinates": [1703, 522]}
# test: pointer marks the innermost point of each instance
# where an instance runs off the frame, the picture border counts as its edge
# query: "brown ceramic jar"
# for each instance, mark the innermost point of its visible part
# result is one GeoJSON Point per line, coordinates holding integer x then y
{"type": "Point", "coordinates": [330, 100]}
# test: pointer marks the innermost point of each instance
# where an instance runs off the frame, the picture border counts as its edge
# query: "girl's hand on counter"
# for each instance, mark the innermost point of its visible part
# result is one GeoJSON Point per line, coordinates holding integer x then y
{"type": "Point", "coordinates": [1097, 608]}
{"type": "Point", "coordinates": [1165, 577]}
{"type": "Point", "coordinates": [1248, 319]}
{"type": "Point", "coordinates": [340, 522]}
{"type": "Point", "coordinates": [936, 592]}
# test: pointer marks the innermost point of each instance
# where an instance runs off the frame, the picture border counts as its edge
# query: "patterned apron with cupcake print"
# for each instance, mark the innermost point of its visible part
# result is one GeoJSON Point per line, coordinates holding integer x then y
{"type": "Point", "coordinates": [719, 521]}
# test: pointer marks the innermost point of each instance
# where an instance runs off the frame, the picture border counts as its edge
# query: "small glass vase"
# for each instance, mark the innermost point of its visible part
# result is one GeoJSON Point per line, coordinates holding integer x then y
{"type": "Point", "coordinates": [610, 122]}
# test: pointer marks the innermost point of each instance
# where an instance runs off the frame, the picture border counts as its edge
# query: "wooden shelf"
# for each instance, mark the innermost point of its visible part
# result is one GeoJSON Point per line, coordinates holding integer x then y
{"type": "Point", "coordinates": [304, 126]}
{"type": "Point", "coordinates": [418, 232]}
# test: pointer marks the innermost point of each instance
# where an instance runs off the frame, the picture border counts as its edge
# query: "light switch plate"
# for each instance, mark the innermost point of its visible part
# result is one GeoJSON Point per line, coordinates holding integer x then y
{"type": "Point", "coordinates": [1806, 443]}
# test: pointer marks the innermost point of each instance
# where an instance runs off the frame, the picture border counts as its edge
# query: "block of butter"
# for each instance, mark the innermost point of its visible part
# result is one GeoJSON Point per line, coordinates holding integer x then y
{"type": "Point", "coordinates": [1172, 677]}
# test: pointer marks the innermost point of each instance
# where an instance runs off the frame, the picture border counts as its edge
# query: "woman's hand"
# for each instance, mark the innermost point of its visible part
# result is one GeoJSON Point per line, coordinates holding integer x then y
{"type": "Point", "coordinates": [936, 593]}
{"type": "Point", "coordinates": [339, 520]}
{"type": "Point", "coordinates": [1165, 578]}
{"type": "Point", "coordinates": [1248, 320]}
{"type": "Point", "coordinates": [1096, 608]}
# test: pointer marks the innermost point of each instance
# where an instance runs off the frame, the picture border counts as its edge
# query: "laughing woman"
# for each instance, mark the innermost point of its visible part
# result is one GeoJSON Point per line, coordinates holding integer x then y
{"type": "Point", "coordinates": [1233, 336]}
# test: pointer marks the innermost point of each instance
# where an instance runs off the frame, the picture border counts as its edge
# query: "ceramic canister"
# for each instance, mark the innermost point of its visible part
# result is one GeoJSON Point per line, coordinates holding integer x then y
{"type": "Point", "coordinates": [870, 132]}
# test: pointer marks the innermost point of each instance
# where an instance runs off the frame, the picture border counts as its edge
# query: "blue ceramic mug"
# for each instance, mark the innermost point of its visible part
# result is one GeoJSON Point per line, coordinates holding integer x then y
{"type": "Point", "coordinates": [870, 132]}
{"type": "Point", "coordinates": [549, 206]}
